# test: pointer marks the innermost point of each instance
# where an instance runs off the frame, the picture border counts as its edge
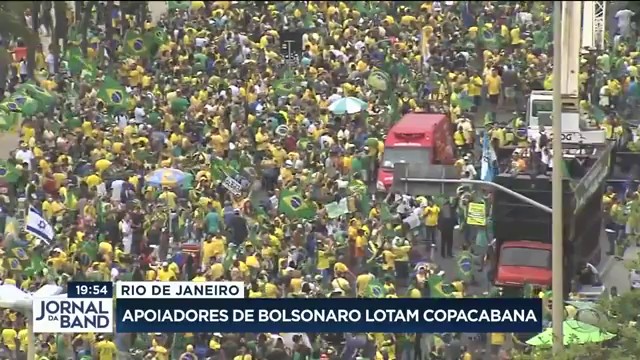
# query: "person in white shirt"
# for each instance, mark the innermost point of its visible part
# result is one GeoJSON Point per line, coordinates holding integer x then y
{"type": "Point", "coordinates": [23, 71]}
{"type": "Point", "coordinates": [139, 114]}
{"type": "Point", "coordinates": [127, 233]}
{"type": "Point", "coordinates": [116, 190]}
{"type": "Point", "coordinates": [24, 155]}
{"type": "Point", "coordinates": [51, 63]}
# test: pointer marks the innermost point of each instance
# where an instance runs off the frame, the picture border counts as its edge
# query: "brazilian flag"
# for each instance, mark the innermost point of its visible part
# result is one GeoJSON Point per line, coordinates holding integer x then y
{"type": "Point", "coordinates": [17, 258]}
{"type": "Point", "coordinates": [78, 65]}
{"type": "Point", "coordinates": [8, 172]}
{"type": "Point", "coordinates": [158, 36]}
{"type": "Point", "coordinates": [375, 289]}
{"type": "Point", "coordinates": [465, 265]}
{"type": "Point", "coordinates": [21, 103]}
{"type": "Point", "coordinates": [43, 96]}
{"type": "Point", "coordinates": [488, 38]}
{"type": "Point", "coordinates": [435, 286]}
{"type": "Point", "coordinates": [294, 205]}
{"type": "Point", "coordinates": [87, 252]}
{"type": "Point", "coordinates": [135, 44]}
{"type": "Point", "coordinates": [113, 94]}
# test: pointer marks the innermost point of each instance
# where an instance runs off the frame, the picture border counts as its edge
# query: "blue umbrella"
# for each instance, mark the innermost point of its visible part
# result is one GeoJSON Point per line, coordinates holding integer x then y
{"type": "Point", "coordinates": [165, 177]}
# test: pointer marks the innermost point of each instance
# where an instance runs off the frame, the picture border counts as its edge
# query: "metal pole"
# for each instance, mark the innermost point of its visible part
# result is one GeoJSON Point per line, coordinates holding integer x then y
{"type": "Point", "coordinates": [516, 195]}
{"type": "Point", "coordinates": [557, 183]}
{"type": "Point", "coordinates": [31, 336]}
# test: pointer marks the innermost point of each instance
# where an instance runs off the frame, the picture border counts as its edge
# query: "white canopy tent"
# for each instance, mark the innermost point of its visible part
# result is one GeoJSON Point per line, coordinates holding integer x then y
{"type": "Point", "coordinates": [15, 299]}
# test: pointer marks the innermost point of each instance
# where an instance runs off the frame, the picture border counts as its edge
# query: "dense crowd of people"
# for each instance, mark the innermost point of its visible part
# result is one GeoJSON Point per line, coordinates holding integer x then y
{"type": "Point", "coordinates": [219, 144]}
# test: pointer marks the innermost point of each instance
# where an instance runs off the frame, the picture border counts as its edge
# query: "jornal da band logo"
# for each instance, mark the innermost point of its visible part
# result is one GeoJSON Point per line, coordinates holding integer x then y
{"type": "Point", "coordinates": [63, 315]}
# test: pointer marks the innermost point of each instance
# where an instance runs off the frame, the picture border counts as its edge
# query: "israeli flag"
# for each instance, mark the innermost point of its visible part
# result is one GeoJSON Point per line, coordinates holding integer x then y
{"type": "Point", "coordinates": [38, 226]}
{"type": "Point", "coordinates": [487, 171]}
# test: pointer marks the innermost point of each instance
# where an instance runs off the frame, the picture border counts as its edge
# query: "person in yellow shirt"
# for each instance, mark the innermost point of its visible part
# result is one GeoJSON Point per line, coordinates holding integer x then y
{"type": "Point", "coordinates": [105, 348]}
{"type": "Point", "coordinates": [169, 198]}
{"type": "Point", "coordinates": [388, 259]}
{"type": "Point", "coordinates": [9, 336]}
{"type": "Point", "coordinates": [362, 282]}
{"type": "Point", "coordinates": [262, 143]}
{"type": "Point", "coordinates": [494, 87]}
{"type": "Point", "coordinates": [166, 274]}
{"type": "Point", "coordinates": [431, 212]}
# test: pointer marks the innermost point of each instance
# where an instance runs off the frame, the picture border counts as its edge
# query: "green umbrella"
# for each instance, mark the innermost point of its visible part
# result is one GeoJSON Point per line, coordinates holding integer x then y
{"type": "Point", "coordinates": [575, 332]}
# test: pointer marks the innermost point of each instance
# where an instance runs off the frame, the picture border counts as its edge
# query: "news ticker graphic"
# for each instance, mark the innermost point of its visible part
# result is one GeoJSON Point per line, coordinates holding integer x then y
{"type": "Point", "coordinates": [329, 315]}
{"type": "Point", "coordinates": [214, 307]}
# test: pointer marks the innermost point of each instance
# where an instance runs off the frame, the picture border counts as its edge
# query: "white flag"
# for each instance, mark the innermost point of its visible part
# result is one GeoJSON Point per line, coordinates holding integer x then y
{"type": "Point", "coordinates": [38, 226]}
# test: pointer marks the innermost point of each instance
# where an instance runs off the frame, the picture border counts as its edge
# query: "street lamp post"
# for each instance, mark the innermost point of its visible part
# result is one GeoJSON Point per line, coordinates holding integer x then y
{"type": "Point", "coordinates": [557, 184]}
{"type": "Point", "coordinates": [496, 186]}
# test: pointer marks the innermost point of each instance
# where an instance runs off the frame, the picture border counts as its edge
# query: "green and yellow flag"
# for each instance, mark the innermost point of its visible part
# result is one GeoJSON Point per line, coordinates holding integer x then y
{"type": "Point", "coordinates": [158, 36]}
{"type": "Point", "coordinates": [17, 258]}
{"type": "Point", "coordinates": [87, 252]}
{"type": "Point", "coordinates": [113, 94]}
{"type": "Point", "coordinates": [220, 169]}
{"type": "Point", "coordinates": [9, 120]}
{"type": "Point", "coordinates": [41, 95]}
{"type": "Point", "coordinates": [294, 205]}
{"type": "Point", "coordinates": [8, 172]}
{"type": "Point", "coordinates": [35, 265]}
{"type": "Point", "coordinates": [135, 44]}
{"type": "Point", "coordinates": [465, 265]}
{"type": "Point", "coordinates": [435, 286]}
{"type": "Point", "coordinates": [286, 85]}
{"type": "Point", "coordinates": [78, 65]}
{"type": "Point", "coordinates": [21, 103]}
{"type": "Point", "coordinates": [375, 289]}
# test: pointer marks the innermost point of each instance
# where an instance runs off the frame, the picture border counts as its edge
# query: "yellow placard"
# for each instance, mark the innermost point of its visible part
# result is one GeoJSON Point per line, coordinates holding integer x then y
{"type": "Point", "coordinates": [476, 214]}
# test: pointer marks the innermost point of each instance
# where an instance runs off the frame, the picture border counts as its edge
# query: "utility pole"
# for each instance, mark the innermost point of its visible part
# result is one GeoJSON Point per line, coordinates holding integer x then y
{"type": "Point", "coordinates": [557, 180]}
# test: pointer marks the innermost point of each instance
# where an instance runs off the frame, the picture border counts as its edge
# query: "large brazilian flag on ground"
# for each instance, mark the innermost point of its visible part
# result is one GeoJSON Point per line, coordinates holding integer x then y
{"type": "Point", "coordinates": [293, 204]}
